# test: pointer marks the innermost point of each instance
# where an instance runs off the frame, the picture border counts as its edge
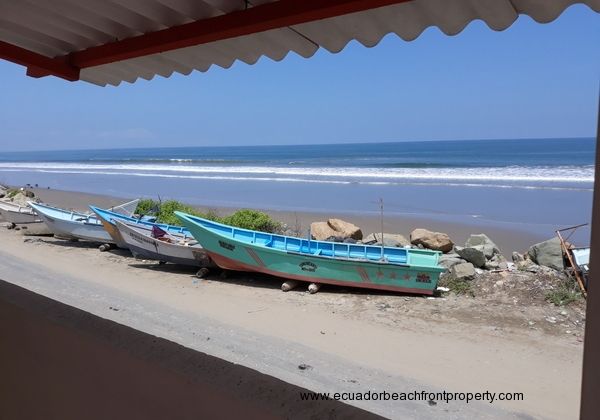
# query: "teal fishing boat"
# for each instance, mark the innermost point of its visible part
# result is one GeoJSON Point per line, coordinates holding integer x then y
{"type": "Point", "coordinates": [355, 265]}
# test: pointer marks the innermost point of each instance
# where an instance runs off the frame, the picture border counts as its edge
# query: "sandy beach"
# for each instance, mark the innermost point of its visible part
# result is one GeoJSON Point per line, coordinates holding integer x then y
{"type": "Point", "coordinates": [498, 341]}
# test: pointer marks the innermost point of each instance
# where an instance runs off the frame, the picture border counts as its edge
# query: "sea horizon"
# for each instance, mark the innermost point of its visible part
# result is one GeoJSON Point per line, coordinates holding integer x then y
{"type": "Point", "coordinates": [325, 143]}
{"type": "Point", "coordinates": [523, 184]}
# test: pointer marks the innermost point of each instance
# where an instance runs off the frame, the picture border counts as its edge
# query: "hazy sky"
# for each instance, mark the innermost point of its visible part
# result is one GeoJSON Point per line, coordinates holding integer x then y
{"type": "Point", "coordinates": [529, 81]}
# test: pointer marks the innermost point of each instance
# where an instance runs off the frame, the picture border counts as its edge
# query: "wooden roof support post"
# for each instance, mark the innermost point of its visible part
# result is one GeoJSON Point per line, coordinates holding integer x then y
{"type": "Point", "coordinates": [590, 389]}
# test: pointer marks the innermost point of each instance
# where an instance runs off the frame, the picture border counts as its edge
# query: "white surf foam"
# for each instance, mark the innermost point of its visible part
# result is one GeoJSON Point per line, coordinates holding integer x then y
{"type": "Point", "coordinates": [464, 176]}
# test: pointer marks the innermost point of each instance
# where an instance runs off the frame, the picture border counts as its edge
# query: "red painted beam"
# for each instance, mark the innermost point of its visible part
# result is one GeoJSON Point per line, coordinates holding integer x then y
{"type": "Point", "coordinates": [279, 14]}
{"type": "Point", "coordinates": [261, 18]}
{"type": "Point", "coordinates": [37, 64]}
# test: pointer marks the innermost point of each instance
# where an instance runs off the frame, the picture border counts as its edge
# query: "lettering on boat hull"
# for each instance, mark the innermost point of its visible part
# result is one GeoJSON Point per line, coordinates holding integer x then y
{"type": "Point", "coordinates": [141, 239]}
{"type": "Point", "coordinates": [423, 278]}
{"type": "Point", "coordinates": [308, 266]}
{"type": "Point", "coordinates": [226, 245]}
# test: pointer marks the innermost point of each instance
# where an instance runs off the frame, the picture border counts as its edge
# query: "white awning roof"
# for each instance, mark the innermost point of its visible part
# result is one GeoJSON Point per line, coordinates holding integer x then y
{"type": "Point", "coordinates": [55, 28]}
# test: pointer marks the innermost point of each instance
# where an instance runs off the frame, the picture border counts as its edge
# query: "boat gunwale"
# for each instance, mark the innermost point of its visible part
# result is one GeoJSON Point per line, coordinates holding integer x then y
{"type": "Point", "coordinates": [341, 259]}
{"type": "Point", "coordinates": [84, 219]}
{"type": "Point", "coordinates": [138, 222]}
{"type": "Point", "coordinates": [136, 229]}
{"type": "Point", "coordinates": [16, 208]}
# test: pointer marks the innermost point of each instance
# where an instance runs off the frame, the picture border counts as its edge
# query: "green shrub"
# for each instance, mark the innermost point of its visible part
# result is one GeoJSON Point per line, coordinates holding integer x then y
{"type": "Point", "coordinates": [147, 206]}
{"type": "Point", "coordinates": [212, 215]}
{"type": "Point", "coordinates": [253, 220]}
{"type": "Point", "coordinates": [566, 292]}
{"type": "Point", "coordinates": [168, 209]}
{"type": "Point", "coordinates": [245, 219]}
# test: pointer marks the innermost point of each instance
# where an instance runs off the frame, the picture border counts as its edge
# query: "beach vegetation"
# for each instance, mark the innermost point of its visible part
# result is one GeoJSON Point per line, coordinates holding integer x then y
{"type": "Point", "coordinates": [245, 218]}
{"type": "Point", "coordinates": [147, 206]}
{"type": "Point", "coordinates": [565, 293]}
{"type": "Point", "coordinates": [12, 192]}
{"type": "Point", "coordinates": [253, 220]}
{"type": "Point", "coordinates": [167, 209]}
{"type": "Point", "coordinates": [457, 286]}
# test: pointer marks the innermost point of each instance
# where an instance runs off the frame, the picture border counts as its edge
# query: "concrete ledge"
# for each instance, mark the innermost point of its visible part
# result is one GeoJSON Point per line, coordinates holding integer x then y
{"type": "Point", "coordinates": [57, 361]}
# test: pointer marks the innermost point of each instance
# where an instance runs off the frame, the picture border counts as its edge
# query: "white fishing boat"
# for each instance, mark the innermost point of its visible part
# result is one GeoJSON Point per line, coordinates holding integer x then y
{"type": "Point", "coordinates": [153, 243]}
{"type": "Point", "coordinates": [76, 225]}
{"type": "Point", "coordinates": [18, 214]}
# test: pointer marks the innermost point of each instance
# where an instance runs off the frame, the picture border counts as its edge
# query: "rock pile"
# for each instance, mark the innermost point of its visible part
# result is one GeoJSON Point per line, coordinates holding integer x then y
{"type": "Point", "coordinates": [466, 262]}
{"type": "Point", "coordinates": [541, 257]}
{"type": "Point", "coordinates": [482, 252]}
{"type": "Point", "coordinates": [478, 253]}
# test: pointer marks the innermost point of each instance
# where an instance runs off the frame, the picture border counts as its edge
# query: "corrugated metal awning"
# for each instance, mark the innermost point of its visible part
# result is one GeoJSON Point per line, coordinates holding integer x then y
{"type": "Point", "coordinates": [110, 41]}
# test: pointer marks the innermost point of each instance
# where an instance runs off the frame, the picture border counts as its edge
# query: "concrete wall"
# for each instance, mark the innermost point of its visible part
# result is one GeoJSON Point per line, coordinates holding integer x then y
{"type": "Point", "coordinates": [58, 362]}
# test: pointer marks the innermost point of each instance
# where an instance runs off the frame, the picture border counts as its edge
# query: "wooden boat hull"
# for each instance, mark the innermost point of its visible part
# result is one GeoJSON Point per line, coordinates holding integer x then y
{"type": "Point", "coordinates": [142, 245]}
{"type": "Point", "coordinates": [66, 224]}
{"type": "Point", "coordinates": [232, 254]}
{"type": "Point", "coordinates": [18, 215]}
{"type": "Point", "coordinates": [113, 232]}
{"type": "Point", "coordinates": [108, 218]}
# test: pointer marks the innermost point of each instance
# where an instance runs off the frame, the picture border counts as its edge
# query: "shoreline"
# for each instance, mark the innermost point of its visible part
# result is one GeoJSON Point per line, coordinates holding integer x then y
{"type": "Point", "coordinates": [508, 239]}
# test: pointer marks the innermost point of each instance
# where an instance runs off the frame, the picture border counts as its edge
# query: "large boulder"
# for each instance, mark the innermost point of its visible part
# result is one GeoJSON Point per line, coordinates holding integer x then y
{"type": "Point", "coordinates": [432, 240]}
{"type": "Point", "coordinates": [548, 253]}
{"type": "Point", "coordinates": [389, 239]}
{"type": "Point", "coordinates": [345, 229]}
{"type": "Point", "coordinates": [321, 231]}
{"type": "Point", "coordinates": [474, 255]}
{"type": "Point", "coordinates": [449, 260]}
{"type": "Point", "coordinates": [486, 245]}
{"type": "Point", "coordinates": [335, 228]}
{"type": "Point", "coordinates": [463, 271]}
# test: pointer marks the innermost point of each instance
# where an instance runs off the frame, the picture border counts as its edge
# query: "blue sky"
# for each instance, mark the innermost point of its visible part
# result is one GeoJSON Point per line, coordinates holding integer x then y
{"type": "Point", "coordinates": [529, 81]}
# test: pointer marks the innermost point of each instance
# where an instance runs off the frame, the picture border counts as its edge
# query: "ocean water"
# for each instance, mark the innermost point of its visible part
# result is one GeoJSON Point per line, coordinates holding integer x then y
{"type": "Point", "coordinates": [540, 184]}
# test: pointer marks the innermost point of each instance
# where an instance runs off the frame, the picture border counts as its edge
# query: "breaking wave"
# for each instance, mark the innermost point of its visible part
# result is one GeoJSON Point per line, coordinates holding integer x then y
{"type": "Point", "coordinates": [577, 177]}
